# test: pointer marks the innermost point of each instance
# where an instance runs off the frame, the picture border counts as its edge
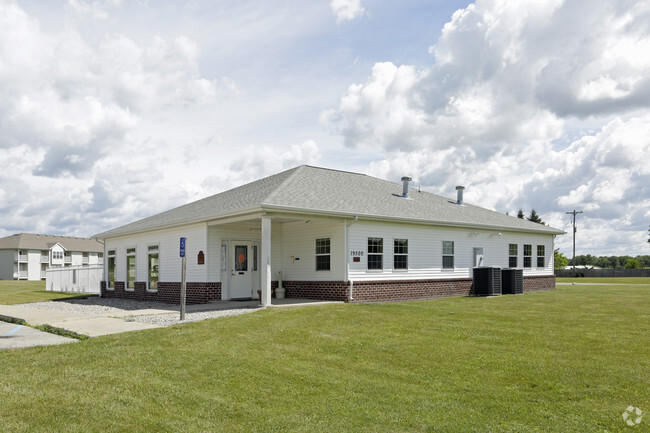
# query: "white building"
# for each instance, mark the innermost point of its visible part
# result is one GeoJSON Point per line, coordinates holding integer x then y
{"type": "Point", "coordinates": [26, 256]}
{"type": "Point", "coordinates": [326, 234]}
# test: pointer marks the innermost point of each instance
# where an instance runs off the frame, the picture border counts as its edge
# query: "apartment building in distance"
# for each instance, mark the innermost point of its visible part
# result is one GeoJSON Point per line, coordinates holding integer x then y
{"type": "Point", "coordinates": [26, 256]}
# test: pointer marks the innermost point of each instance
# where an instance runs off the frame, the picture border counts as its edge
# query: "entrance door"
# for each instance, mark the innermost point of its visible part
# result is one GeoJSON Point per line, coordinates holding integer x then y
{"type": "Point", "coordinates": [240, 271]}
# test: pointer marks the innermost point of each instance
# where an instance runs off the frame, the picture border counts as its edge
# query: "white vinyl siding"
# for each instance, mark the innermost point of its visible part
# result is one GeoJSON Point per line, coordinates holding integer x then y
{"type": "Point", "coordinates": [425, 250]}
{"type": "Point", "coordinates": [298, 240]}
{"type": "Point", "coordinates": [292, 251]}
{"type": "Point", "coordinates": [168, 242]}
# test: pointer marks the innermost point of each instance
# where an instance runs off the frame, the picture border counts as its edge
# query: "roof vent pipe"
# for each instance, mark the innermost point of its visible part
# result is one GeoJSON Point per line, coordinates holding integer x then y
{"type": "Point", "coordinates": [405, 188]}
{"type": "Point", "coordinates": [459, 194]}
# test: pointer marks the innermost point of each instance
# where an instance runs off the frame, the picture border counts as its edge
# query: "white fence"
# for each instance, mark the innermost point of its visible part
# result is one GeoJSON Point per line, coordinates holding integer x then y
{"type": "Point", "coordinates": [77, 279]}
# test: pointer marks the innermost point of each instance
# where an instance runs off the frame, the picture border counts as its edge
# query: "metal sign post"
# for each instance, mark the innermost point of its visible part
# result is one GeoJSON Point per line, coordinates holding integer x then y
{"type": "Point", "coordinates": [184, 267]}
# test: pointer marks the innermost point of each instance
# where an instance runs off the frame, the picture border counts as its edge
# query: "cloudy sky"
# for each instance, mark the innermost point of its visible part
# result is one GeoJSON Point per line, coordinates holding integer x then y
{"type": "Point", "coordinates": [113, 110]}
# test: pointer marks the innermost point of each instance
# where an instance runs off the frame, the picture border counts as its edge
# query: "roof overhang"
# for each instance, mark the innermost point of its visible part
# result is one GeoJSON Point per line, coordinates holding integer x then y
{"type": "Point", "coordinates": [293, 212]}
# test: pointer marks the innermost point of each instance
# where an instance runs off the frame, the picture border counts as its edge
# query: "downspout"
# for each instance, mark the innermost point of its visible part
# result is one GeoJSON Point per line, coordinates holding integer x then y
{"type": "Point", "coordinates": [347, 258]}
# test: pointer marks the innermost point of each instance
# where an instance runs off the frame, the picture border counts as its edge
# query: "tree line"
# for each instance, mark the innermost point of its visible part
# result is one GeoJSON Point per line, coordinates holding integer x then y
{"type": "Point", "coordinates": [605, 262]}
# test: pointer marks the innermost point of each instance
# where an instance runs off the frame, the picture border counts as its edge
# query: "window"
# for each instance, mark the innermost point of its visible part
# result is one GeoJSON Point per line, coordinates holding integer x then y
{"type": "Point", "coordinates": [130, 268]}
{"type": "Point", "coordinates": [400, 254]}
{"type": "Point", "coordinates": [323, 254]}
{"type": "Point", "coordinates": [528, 253]}
{"type": "Point", "coordinates": [111, 269]}
{"type": "Point", "coordinates": [254, 258]}
{"type": "Point", "coordinates": [447, 254]}
{"type": "Point", "coordinates": [241, 258]}
{"type": "Point", "coordinates": [541, 256]}
{"type": "Point", "coordinates": [153, 267]}
{"type": "Point", "coordinates": [512, 252]}
{"type": "Point", "coordinates": [375, 253]}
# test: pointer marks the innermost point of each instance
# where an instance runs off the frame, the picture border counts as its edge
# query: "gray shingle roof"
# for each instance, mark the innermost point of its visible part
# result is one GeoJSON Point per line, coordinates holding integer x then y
{"type": "Point", "coordinates": [31, 241]}
{"type": "Point", "coordinates": [318, 190]}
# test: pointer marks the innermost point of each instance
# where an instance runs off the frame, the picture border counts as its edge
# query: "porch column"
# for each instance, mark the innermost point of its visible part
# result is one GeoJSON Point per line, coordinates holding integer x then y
{"type": "Point", "coordinates": [266, 261]}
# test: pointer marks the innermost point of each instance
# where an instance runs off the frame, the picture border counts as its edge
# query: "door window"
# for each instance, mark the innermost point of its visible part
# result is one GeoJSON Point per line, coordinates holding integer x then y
{"type": "Point", "coordinates": [241, 258]}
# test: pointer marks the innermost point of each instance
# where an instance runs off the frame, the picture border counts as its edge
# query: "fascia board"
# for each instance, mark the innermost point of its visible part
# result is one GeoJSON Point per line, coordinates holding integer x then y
{"type": "Point", "coordinates": [368, 217]}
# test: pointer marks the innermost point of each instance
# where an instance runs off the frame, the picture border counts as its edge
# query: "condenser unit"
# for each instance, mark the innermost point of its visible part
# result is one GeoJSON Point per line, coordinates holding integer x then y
{"type": "Point", "coordinates": [512, 281]}
{"type": "Point", "coordinates": [487, 281]}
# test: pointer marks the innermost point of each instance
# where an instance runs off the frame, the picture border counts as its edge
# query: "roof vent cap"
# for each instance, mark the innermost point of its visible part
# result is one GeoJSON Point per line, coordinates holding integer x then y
{"type": "Point", "coordinates": [405, 186]}
{"type": "Point", "coordinates": [459, 194]}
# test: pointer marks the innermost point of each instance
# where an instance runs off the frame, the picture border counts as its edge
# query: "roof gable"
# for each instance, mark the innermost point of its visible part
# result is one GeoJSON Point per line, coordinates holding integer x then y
{"type": "Point", "coordinates": [31, 241]}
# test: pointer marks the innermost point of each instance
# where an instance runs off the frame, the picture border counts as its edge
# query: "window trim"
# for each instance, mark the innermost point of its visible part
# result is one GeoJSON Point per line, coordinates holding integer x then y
{"type": "Point", "coordinates": [323, 254]}
{"type": "Point", "coordinates": [110, 254]}
{"type": "Point", "coordinates": [514, 256]}
{"type": "Point", "coordinates": [151, 250]}
{"type": "Point", "coordinates": [404, 254]}
{"type": "Point", "coordinates": [375, 254]}
{"type": "Point", "coordinates": [528, 256]}
{"type": "Point", "coordinates": [452, 255]}
{"type": "Point", "coordinates": [542, 256]}
{"type": "Point", "coordinates": [131, 252]}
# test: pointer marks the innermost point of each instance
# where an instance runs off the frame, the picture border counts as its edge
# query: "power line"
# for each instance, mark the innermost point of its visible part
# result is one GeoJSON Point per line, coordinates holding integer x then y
{"type": "Point", "coordinates": [574, 213]}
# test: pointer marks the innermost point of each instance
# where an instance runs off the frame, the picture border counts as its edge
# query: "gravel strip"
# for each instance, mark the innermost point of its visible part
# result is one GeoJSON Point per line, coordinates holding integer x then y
{"type": "Point", "coordinates": [168, 319]}
{"type": "Point", "coordinates": [118, 307]}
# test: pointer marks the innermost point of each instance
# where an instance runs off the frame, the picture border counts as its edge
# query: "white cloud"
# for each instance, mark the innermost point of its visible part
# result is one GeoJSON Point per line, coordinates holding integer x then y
{"type": "Point", "coordinates": [72, 108]}
{"type": "Point", "coordinates": [507, 80]}
{"type": "Point", "coordinates": [257, 162]}
{"type": "Point", "coordinates": [346, 10]}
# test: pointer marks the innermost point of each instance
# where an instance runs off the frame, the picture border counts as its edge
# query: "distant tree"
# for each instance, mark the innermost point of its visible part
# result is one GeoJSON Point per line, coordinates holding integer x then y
{"type": "Point", "coordinates": [649, 236]}
{"type": "Point", "coordinates": [520, 214]}
{"type": "Point", "coordinates": [632, 264]}
{"type": "Point", "coordinates": [560, 260]}
{"type": "Point", "coordinates": [534, 217]}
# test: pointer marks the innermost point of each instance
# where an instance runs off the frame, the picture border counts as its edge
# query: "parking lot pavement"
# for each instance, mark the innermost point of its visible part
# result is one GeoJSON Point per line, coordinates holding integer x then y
{"type": "Point", "coordinates": [13, 336]}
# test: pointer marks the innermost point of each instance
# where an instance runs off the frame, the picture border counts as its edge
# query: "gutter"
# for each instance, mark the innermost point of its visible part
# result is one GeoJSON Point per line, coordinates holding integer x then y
{"type": "Point", "coordinates": [548, 230]}
{"type": "Point", "coordinates": [347, 259]}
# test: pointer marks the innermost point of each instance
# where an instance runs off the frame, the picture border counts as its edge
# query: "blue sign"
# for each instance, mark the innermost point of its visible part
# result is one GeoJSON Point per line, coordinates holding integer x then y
{"type": "Point", "coordinates": [183, 247]}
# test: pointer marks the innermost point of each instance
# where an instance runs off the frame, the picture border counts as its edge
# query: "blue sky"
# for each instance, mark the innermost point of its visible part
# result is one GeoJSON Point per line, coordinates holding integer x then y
{"type": "Point", "coordinates": [111, 111]}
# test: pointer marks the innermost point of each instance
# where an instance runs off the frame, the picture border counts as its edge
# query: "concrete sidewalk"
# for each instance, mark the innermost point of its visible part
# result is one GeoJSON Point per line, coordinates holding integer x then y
{"type": "Point", "coordinates": [13, 336]}
{"type": "Point", "coordinates": [92, 325]}
{"type": "Point", "coordinates": [115, 322]}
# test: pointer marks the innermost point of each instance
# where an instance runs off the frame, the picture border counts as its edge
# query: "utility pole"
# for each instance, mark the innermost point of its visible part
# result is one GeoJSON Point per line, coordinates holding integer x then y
{"type": "Point", "coordinates": [574, 213]}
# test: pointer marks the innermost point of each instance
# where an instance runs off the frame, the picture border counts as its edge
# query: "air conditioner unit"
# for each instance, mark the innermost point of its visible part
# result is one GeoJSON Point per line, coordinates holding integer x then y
{"type": "Point", "coordinates": [512, 281]}
{"type": "Point", "coordinates": [487, 281]}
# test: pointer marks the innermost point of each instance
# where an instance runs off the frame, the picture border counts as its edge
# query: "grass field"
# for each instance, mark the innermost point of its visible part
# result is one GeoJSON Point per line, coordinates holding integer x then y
{"type": "Point", "coordinates": [629, 280]}
{"type": "Point", "coordinates": [21, 291]}
{"type": "Point", "coordinates": [569, 360]}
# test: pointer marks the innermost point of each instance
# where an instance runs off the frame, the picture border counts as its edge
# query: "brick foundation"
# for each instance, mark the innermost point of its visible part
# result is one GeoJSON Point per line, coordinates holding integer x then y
{"type": "Point", "coordinates": [363, 291]}
{"type": "Point", "coordinates": [540, 282]}
{"type": "Point", "coordinates": [408, 290]}
{"type": "Point", "coordinates": [170, 293]}
{"type": "Point", "coordinates": [323, 290]}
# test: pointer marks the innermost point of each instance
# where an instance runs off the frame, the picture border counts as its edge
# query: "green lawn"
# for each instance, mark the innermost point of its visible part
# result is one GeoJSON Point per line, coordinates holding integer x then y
{"type": "Point", "coordinates": [569, 360]}
{"type": "Point", "coordinates": [630, 280]}
{"type": "Point", "coordinates": [21, 291]}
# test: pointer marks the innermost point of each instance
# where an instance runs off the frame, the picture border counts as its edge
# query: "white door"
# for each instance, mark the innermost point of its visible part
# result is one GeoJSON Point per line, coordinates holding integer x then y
{"type": "Point", "coordinates": [240, 271]}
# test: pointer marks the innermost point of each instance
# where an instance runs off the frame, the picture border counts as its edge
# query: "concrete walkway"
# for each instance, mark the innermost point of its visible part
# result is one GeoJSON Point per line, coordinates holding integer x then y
{"type": "Point", "coordinates": [113, 322]}
{"type": "Point", "coordinates": [91, 325]}
{"type": "Point", "coordinates": [13, 336]}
